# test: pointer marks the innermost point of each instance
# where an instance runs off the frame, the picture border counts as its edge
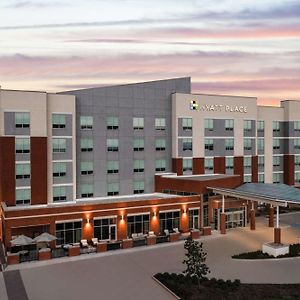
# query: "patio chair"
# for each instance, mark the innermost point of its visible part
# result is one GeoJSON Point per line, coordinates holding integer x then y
{"type": "Point", "coordinates": [166, 231]}
{"type": "Point", "coordinates": [95, 241]}
{"type": "Point", "coordinates": [176, 230]}
{"type": "Point", "coordinates": [151, 233]}
{"type": "Point", "coordinates": [84, 243]}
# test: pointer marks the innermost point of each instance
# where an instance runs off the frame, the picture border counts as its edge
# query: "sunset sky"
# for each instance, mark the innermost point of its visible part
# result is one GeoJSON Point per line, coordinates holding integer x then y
{"type": "Point", "coordinates": [243, 47]}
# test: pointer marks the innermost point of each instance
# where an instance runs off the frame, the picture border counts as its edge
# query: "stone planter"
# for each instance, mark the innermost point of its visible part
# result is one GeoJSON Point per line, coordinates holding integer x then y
{"type": "Point", "coordinates": [174, 237]}
{"type": "Point", "coordinates": [151, 240]}
{"type": "Point", "coordinates": [128, 243]}
{"type": "Point", "coordinates": [74, 251]}
{"type": "Point", "coordinates": [101, 247]}
{"type": "Point", "coordinates": [45, 254]}
{"type": "Point", "coordinates": [13, 258]}
{"type": "Point", "coordinates": [195, 234]}
{"type": "Point", "coordinates": [207, 230]}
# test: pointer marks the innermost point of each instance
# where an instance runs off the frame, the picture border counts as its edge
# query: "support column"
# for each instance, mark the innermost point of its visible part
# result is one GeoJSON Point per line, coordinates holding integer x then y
{"type": "Point", "coordinates": [277, 229]}
{"type": "Point", "coordinates": [271, 216]}
{"type": "Point", "coordinates": [223, 217]}
{"type": "Point", "coordinates": [252, 217]}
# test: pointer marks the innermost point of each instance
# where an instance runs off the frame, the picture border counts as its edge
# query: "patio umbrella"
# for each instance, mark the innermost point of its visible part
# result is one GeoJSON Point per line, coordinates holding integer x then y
{"type": "Point", "coordinates": [45, 237]}
{"type": "Point", "coordinates": [22, 240]}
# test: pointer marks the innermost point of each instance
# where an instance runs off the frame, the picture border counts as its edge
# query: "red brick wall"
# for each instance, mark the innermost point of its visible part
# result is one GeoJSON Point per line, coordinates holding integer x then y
{"type": "Point", "coordinates": [38, 157]}
{"type": "Point", "coordinates": [7, 169]}
{"type": "Point", "coordinates": [238, 167]}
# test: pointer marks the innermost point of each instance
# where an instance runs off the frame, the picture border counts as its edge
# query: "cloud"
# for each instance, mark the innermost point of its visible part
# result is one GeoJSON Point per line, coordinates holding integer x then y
{"type": "Point", "coordinates": [32, 4]}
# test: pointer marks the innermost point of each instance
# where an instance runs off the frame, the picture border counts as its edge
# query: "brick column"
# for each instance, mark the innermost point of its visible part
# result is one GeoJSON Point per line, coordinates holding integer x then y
{"type": "Point", "coordinates": [252, 219]}
{"type": "Point", "coordinates": [255, 168]}
{"type": "Point", "coordinates": [177, 166]}
{"type": "Point", "coordinates": [271, 216]}
{"type": "Point", "coordinates": [277, 235]}
{"type": "Point", "coordinates": [289, 169]}
{"type": "Point", "coordinates": [219, 165]}
{"type": "Point", "coordinates": [198, 165]}
{"type": "Point", "coordinates": [238, 167]}
{"type": "Point", "coordinates": [223, 223]}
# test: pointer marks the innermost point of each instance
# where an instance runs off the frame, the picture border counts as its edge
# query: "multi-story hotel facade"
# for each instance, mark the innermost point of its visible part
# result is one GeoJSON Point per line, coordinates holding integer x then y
{"type": "Point", "coordinates": [108, 162]}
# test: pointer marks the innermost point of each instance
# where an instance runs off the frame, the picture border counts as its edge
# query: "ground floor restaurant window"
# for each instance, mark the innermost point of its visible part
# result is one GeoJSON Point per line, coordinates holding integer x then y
{"type": "Point", "coordinates": [68, 232]}
{"type": "Point", "coordinates": [169, 220]}
{"type": "Point", "coordinates": [105, 229]}
{"type": "Point", "coordinates": [137, 224]}
{"type": "Point", "coordinates": [194, 218]}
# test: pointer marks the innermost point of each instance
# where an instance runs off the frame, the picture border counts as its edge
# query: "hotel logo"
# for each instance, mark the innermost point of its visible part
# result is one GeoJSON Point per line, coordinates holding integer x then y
{"type": "Point", "coordinates": [194, 105]}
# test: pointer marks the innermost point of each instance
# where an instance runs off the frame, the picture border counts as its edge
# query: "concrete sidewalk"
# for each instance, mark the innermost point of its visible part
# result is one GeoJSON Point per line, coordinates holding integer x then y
{"type": "Point", "coordinates": [3, 294]}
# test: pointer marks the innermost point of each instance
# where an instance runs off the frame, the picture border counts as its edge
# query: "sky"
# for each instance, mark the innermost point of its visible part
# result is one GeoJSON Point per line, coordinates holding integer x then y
{"type": "Point", "coordinates": [232, 47]}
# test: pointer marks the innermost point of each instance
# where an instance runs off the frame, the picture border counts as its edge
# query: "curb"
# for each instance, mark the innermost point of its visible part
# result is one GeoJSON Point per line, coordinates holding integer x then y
{"type": "Point", "coordinates": [266, 259]}
{"type": "Point", "coordinates": [167, 289]}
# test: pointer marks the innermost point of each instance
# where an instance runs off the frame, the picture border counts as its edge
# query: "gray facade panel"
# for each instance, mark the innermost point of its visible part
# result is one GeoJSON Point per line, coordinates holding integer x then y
{"type": "Point", "coordinates": [10, 126]}
{"type": "Point", "coordinates": [67, 131]}
{"type": "Point", "coordinates": [149, 100]}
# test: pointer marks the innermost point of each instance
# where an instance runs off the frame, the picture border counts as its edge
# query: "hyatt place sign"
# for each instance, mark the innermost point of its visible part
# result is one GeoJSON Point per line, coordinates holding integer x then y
{"type": "Point", "coordinates": [217, 107]}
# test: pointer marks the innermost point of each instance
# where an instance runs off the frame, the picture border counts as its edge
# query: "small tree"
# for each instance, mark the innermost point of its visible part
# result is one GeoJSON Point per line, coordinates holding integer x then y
{"type": "Point", "coordinates": [195, 260]}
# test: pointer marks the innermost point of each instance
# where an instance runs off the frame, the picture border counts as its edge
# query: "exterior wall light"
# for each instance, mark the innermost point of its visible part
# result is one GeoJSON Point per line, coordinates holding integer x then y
{"type": "Point", "coordinates": [154, 214]}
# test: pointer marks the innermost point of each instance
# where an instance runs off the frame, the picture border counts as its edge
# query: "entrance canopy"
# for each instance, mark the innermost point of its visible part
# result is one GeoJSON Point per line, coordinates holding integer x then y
{"type": "Point", "coordinates": [275, 194]}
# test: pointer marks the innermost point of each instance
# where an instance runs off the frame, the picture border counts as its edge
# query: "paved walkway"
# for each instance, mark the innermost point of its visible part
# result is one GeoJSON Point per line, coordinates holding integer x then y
{"type": "Point", "coordinates": [126, 274]}
{"type": "Point", "coordinates": [3, 294]}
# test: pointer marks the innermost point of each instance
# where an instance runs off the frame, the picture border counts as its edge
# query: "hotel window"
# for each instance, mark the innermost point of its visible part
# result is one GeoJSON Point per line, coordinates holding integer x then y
{"type": "Point", "coordinates": [276, 177]}
{"type": "Point", "coordinates": [22, 120]}
{"type": "Point", "coordinates": [276, 144]}
{"type": "Point", "coordinates": [297, 125]}
{"type": "Point", "coordinates": [208, 163]}
{"type": "Point", "coordinates": [68, 232]}
{"type": "Point", "coordinates": [22, 145]}
{"type": "Point", "coordinates": [247, 125]}
{"type": "Point", "coordinates": [260, 144]}
{"type": "Point", "coordinates": [112, 145]}
{"type": "Point", "coordinates": [102, 228]}
{"type": "Point", "coordinates": [169, 220]}
{"type": "Point", "coordinates": [86, 122]}
{"type": "Point", "coordinates": [160, 123]}
{"type": "Point", "coordinates": [261, 178]}
{"type": "Point", "coordinates": [261, 161]}
{"type": "Point", "coordinates": [87, 190]}
{"type": "Point", "coordinates": [86, 168]}
{"type": "Point", "coordinates": [59, 169]}
{"type": "Point", "coordinates": [193, 218]}
{"type": "Point", "coordinates": [260, 126]}
{"type": "Point", "coordinates": [297, 177]}
{"type": "Point", "coordinates": [247, 162]}
{"type": "Point", "coordinates": [138, 166]}
{"type": "Point", "coordinates": [138, 123]}
{"type": "Point", "coordinates": [112, 189]}
{"type": "Point", "coordinates": [22, 171]}
{"type": "Point", "coordinates": [247, 144]}
{"type": "Point", "coordinates": [209, 144]}
{"type": "Point", "coordinates": [112, 167]}
{"type": "Point", "coordinates": [58, 121]}
{"type": "Point", "coordinates": [138, 187]}
{"type": "Point", "coordinates": [112, 123]}
{"type": "Point", "coordinates": [276, 126]}
{"type": "Point", "coordinates": [229, 144]}
{"type": "Point", "coordinates": [209, 124]}
{"type": "Point", "coordinates": [138, 145]}
{"type": "Point", "coordinates": [59, 145]}
{"type": "Point", "coordinates": [160, 145]}
{"type": "Point", "coordinates": [160, 165]}
{"type": "Point", "coordinates": [296, 143]}
{"type": "Point", "coordinates": [247, 178]}
{"type": "Point", "coordinates": [187, 124]}
{"type": "Point", "coordinates": [276, 161]}
{"type": "Point", "coordinates": [138, 224]}
{"type": "Point", "coordinates": [59, 193]}
{"type": "Point", "coordinates": [187, 164]}
{"type": "Point", "coordinates": [86, 145]}
{"type": "Point", "coordinates": [297, 160]}
{"type": "Point", "coordinates": [187, 144]}
{"type": "Point", "coordinates": [23, 196]}
{"type": "Point", "coordinates": [229, 124]}
{"type": "Point", "coordinates": [229, 163]}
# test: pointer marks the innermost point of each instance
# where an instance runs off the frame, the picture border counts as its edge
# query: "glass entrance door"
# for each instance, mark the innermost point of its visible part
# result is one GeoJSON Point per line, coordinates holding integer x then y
{"type": "Point", "coordinates": [113, 232]}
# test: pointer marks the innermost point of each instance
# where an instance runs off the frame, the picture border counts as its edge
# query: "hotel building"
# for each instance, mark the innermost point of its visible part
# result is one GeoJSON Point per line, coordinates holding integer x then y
{"type": "Point", "coordinates": [108, 162]}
